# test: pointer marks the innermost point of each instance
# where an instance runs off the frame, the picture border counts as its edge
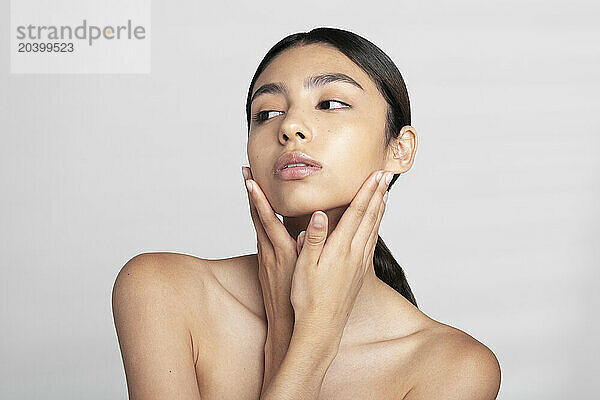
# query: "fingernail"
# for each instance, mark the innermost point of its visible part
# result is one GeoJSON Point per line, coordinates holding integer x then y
{"type": "Point", "coordinates": [245, 173]}
{"type": "Point", "coordinates": [388, 178]}
{"type": "Point", "coordinates": [249, 186]}
{"type": "Point", "coordinates": [385, 196]}
{"type": "Point", "coordinates": [378, 177]}
{"type": "Point", "coordinates": [318, 220]}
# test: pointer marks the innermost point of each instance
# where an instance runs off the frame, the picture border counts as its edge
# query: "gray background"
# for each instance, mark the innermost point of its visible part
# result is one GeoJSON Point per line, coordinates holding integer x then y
{"type": "Point", "coordinates": [496, 224]}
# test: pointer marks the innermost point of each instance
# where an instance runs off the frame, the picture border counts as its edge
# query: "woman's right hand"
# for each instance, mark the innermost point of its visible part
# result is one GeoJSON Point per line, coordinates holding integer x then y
{"type": "Point", "coordinates": [277, 255]}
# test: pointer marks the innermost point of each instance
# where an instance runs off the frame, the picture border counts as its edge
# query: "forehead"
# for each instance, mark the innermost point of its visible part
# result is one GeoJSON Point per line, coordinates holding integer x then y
{"type": "Point", "coordinates": [293, 65]}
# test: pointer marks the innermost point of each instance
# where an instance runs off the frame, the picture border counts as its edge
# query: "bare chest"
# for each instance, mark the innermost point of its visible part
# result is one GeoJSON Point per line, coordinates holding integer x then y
{"type": "Point", "coordinates": [231, 362]}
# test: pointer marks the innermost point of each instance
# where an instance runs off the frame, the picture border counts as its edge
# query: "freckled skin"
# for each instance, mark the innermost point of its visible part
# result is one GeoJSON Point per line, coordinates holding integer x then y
{"type": "Point", "coordinates": [347, 141]}
{"type": "Point", "coordinates": [389, 348]}
{"type": "Point", "coordinates": [349, 144]}
{"type": "Point", "coordinates": [384, 331]}
{"type": "Point", "coordinates": [400, 345]}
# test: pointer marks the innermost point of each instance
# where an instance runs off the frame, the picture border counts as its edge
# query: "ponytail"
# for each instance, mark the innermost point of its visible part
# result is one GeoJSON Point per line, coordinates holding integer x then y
{"type": "Point", "coordinates": [389, 271]}
{"type": "Point", "coordinates": [388, 79]}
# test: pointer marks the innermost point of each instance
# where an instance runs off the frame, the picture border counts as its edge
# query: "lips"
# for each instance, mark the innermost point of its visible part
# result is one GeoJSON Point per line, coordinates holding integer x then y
{"type": "Point", "coordinates": [295, 158]}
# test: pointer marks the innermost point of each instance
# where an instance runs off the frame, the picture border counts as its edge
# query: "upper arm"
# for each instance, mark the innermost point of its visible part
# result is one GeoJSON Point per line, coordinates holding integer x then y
{"type": "Point", "coordinates": [466, 370]}
{"type": "Point", "coordinates": [153, 335]}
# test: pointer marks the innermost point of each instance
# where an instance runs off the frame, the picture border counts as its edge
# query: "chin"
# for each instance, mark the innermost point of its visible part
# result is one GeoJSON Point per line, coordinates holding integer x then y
{"type": "Point", "coordinates": [289, 210]}
{"type": "Point", "coordinates": [298, 207]}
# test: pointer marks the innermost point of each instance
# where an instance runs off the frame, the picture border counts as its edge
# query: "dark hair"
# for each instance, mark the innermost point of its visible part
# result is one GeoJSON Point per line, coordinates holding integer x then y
{"type": "Point", "coordinates": [386, 76]}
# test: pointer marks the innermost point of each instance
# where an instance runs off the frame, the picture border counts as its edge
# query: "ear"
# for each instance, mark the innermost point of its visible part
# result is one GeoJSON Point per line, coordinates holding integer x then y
{"type": "Point", "coordinates": [404, 148]}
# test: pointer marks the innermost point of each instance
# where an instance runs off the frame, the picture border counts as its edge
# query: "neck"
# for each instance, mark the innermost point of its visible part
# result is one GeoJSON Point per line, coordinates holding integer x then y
{"type": "Point", "coordinates": [295, 225]}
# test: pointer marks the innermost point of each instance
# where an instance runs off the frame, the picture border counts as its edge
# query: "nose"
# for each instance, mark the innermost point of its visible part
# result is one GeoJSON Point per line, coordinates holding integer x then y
{"type": "Point", "coordinates": [293, 128]}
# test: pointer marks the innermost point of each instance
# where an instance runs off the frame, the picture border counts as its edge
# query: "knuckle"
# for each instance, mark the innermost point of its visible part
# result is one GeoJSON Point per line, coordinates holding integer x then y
{"type": "Point", "coordinates": [269, 221]}
{"type": "Point", "coordinates": [355, 252]}
{"type": "Point", "coordinates": [361, 208]}
{"type": "Point", "coordinates": [314, 238]}
{"type": "Point", "coordinates": [264, 221]}
{"type": "Point", "coordinates": [373, 216]}
{"type": "Point", "coordinates": [284, 250]}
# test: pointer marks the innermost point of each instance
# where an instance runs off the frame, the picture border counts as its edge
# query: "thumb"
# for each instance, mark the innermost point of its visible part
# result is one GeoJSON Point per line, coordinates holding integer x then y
{"type": "Point", "coordinates": [314, 239]}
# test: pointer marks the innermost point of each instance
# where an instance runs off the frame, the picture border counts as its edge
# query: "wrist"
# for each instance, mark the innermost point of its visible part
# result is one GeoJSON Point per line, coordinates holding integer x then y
{"type": "Point", "coordinates": [278, 330]}
{"type": "Point", "coordinates": [278, 304]}
{"type": "Point", "coordinates": [317, 335]}
{"type": "Point", "coordinates": [320, 322]}
{"type": "Point", "coordinates": [279, 315]}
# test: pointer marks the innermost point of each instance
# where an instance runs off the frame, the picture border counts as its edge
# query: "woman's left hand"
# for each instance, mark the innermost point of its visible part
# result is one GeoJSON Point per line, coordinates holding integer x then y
{"type": "Point", "coordinates": [330, 270]}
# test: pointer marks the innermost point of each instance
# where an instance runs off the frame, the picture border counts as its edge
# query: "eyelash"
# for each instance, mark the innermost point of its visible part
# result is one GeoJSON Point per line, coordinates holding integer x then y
{"type": "Point", "coordinates": [257, 115]}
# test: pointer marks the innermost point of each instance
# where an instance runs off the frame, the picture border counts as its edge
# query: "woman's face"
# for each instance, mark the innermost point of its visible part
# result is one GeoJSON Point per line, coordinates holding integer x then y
{"type": "Point", "coordinates": [338, 124]}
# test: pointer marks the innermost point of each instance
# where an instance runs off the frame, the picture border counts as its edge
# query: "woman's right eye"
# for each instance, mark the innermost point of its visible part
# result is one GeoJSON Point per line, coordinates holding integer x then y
{"type": "Point", "coordinates": [260, 116]}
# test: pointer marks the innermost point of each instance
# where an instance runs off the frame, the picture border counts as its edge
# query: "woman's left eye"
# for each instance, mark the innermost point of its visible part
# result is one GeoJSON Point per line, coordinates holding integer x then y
{"type": "Point", "coordinates": [335, 101]}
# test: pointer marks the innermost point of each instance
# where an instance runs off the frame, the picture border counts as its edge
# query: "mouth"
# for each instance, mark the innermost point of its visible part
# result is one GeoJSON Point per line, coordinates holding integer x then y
{"type": "Point", "coordinates": [296, 171]}
{"type": "Point", "coordinates": [295, 165]}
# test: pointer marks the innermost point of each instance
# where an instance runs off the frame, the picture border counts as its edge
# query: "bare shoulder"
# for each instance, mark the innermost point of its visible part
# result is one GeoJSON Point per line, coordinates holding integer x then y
{"type": "Point", "coordinates": [150, 311]}
{"type": "Point", "coordinates": [176, 278]}
{"type": "Point", "coordinates": [199, 281]}
{"type": "Point", "coordinates": [174, 270]}
{"type": "Point", "coordinates": [173, 312]}
{"type": "Point", "coordinates": [454, 365]}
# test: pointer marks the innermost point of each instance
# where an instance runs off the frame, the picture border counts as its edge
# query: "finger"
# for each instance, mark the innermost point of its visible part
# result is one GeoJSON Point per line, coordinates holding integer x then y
{"type": "Point", "coordinates": [350, 220]}
{"type": "Point", "coordinates": [314, 239]}
{"type": "Point", "coordinates": [261, 234]}
{"type": "Point", "coordinates": [359, 241]}
{"type": "Point", "coordinates": [372, 242]}
{"type": "Point", "coordinates": [263, 243]}
{"type": "Point", "coordinates": [300, 242]}
{"type": "Point", "coordinates": [273, 227]}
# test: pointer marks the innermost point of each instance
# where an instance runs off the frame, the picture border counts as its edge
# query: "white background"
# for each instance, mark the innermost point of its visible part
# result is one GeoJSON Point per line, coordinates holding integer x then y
{"type": "Point", "coordinates": [496, 224]}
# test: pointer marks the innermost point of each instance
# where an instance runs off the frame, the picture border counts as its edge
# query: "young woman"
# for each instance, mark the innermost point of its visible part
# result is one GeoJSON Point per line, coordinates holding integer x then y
{"type": "Point", "coordinates": [322, 310]}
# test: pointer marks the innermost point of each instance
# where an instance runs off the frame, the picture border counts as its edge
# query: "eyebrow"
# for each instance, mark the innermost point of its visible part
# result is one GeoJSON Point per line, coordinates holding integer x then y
{"type": "Point", "coordinates": [309, 83]}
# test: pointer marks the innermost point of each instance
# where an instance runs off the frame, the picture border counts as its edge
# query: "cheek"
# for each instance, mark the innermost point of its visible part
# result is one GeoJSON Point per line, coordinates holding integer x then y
{"type": "Point", "coordinates": [258, 157]}
{"type": "Point", "coordinates": [354, 153]}
{"type": "Point", "coordinates": [339, 184]}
